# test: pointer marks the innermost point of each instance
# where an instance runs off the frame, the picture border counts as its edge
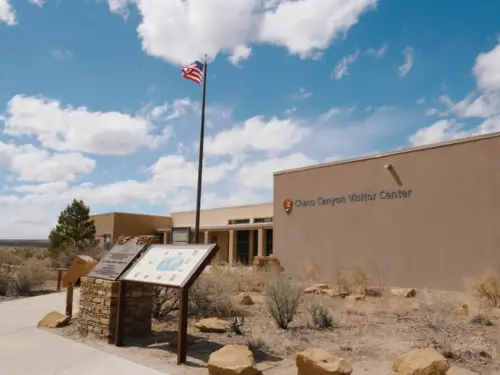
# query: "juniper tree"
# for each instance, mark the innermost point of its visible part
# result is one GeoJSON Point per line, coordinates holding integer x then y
{"type": "Point", "coordinates": [74, 229]}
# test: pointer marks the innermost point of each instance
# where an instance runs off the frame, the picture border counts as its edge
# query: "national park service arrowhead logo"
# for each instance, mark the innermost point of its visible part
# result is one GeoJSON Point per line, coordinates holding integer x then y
{"type": "Point", "coordinates": [287, 206]}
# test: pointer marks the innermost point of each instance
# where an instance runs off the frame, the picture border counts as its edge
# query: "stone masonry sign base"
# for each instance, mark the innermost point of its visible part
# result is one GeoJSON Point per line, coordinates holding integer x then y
{"type": "Point", "coordinates": [99, 308]}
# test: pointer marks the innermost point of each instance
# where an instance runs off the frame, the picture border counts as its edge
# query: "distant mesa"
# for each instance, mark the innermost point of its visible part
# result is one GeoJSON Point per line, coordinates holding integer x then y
{"type": "Point", "coordinates": [24, 243]}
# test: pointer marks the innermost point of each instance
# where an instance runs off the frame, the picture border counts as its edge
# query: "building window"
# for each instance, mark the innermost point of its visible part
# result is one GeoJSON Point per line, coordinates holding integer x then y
{"type": "Point", "coordinates": [269, 242]}
{"type": "Point", "coordinates": [238, 221]}
{"type": "Point", "coordinates": [107, 243]}
{"type": "Point", "coordinates": [263, 220]}
{"type": "Point", "coordinates": [214, 239]}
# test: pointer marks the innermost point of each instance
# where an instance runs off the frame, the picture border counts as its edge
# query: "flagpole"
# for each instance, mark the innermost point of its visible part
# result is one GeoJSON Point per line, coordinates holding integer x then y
{"type": "Point", "coordinates": [200, 156]}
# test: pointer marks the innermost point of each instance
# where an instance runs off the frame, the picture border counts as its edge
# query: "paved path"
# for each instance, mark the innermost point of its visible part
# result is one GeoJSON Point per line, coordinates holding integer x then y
{"type": "Point", "coordinates": [28, 350]}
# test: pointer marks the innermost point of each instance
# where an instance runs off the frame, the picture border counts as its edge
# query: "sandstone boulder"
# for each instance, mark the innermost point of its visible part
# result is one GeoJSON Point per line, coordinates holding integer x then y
{"type": "Point", "coordinates": [212, 325]}
{"type": "Point", "coordinates": [355, 297]}
{"type": "Point", "coordinates": [315, 288]}
{"type": "Point", "coordinates": [54, 319]}
{"type": "Point", "coordinates": [246, 299]}
{"type": "Point", "coordinates": [232, 360]}
{"type": "Point", "coordinates": [317, 361]}
{"type": "Point", "coordinates": [421, 362]}
{"type": "Point", "coordinates": [332, 293]}
{"type": "Point", "coordinates": [404, 292]}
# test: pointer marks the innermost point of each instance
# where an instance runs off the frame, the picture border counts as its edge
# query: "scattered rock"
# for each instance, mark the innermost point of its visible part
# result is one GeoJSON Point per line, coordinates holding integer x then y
{"type": "Point", "coordinates": [232, 360]}
{"type": "Point", "coordinates": [346, 348]}
{"type": "Point", "coordinates": [318, 361]}
{"type": "Point", "coordinates": [415, 306]}
{"type": "Point", "coordinates": [421, 362]}
{"type": "Point", "coordinates": [246, 300]}
{"type": "Point", "coordinates": [464, 309]}
{"type": "Point", "coordinates": [331, 293]}
{"type": "Point", "coordinates": [373, 292]}
{"type": "Point", "coordinates": [54, 319]}
{"type": "Point", "coordinates": [404, 292]}
{"type": "Point", "coordinates": [356, 297]}
{"type": "Point", "coordinates": [315, 288]}
{"type": "Point", "coordinates": [212, 325]}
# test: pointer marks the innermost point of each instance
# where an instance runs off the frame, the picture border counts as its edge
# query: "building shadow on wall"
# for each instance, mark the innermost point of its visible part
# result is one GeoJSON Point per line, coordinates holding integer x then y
{"type": "Point", "coordinates": [394, 174]}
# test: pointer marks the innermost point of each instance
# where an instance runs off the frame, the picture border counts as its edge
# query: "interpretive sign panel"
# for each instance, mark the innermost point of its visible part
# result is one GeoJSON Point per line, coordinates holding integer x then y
{"type": "Point", "coordinates": [169, 265]}
{"type": "Point", "coordinates": [117, 260]}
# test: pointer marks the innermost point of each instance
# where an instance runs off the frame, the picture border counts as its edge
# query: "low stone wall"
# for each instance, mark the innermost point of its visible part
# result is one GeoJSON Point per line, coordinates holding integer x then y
{"type": "Point", "coordinates": [99, 307]}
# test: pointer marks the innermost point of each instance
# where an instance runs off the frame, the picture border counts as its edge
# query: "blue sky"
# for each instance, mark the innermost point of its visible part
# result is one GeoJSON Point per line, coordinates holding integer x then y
{"type": "Point", "coordinates": [92, 104]}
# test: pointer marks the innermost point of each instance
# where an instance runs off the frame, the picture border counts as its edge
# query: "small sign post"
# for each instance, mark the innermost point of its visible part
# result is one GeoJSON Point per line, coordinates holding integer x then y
{"type": "Point", "coordinates": [173, 266]}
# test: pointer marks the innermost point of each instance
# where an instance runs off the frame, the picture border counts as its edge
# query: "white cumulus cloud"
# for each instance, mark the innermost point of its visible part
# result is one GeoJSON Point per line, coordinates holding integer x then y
{"type": "Point", "coordinates": [7, 13]}
{"type": "Point", "coordinates": [180, 31]}
{"type": "Point", "coordinates": [66, 128]}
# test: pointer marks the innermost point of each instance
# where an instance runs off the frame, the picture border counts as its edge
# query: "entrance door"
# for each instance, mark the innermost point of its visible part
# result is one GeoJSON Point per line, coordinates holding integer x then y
{"type": "Point", "coordinates": [242, 246]}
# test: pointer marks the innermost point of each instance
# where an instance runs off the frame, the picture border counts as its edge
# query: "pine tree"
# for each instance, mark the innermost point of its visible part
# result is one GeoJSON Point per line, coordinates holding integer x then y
{"type": "Point", "coordinates": [74, 229]}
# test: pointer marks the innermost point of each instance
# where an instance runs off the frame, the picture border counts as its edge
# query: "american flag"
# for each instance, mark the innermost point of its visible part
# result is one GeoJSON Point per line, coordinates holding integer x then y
{"type": "Point", "coordinates": [193, 72]}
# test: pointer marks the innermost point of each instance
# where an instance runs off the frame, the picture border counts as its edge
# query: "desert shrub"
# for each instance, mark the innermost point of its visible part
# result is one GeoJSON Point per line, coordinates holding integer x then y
{"type": "Point", "coordinates": [22, 281]}
{"type": "Point", "coordinates": [28, 280]}
{"type": "Point", "coordinates": [435, 312]}
{"type": "Point", "coordinates": [470, 351]}
{"type": "Point", "coordinates": [209, 296]}
{"type": "Point", "coordinates": [6, 280]}
{"type": "Point", "coordinates": [353, 280]}
{"type": "Point", "coordinates": [481, 320]}
{"type": "Point", "coordinates": [283, 299]}
{"type": "Point", "coordinates": [487, 287]}
{"type": "Point", "coordinates": [320, 315]}
{"type": "Point", "coordinates": [11, 257]}
{"type": "Point", "coordinates": [64, 257]}
{"type": "Point", "coordinates": [165, 300]}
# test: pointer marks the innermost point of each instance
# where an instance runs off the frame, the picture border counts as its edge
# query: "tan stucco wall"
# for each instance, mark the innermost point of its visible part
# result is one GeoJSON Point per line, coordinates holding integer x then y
{"type": "Point", "coordinates": [220, 216]}
{"type": "Point", "coordinates": [125, 224]}
{"type": "Point", "coordinates": [445, 231]}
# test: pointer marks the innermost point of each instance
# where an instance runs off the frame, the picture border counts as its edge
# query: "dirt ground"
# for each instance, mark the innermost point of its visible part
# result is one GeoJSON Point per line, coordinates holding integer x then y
{"type": "Point", "coordinates": [368, 333]}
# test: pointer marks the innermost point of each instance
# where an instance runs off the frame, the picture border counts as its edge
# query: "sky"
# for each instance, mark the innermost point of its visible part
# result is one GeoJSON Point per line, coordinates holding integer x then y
{"type": "Point", "coordinates": [93, 105]}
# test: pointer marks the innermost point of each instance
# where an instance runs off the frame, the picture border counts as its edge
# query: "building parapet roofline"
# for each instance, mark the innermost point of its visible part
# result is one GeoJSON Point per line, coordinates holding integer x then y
{"type": "Point", "coordinates": [392, 153]}
{"type": "Point", "coordinates": [223, 208]}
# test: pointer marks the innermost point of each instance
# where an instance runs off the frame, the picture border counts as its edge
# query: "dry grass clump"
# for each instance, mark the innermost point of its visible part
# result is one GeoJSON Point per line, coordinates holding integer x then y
{"type": "Point", "coordinates": [283, 300]}
{"type": "Point", "coordinates": [486, 286]}
{"type": "Point", "coordinates": [352, 280]}
{"type": "Point", "coordinates": [244, 279]}
{"type": "Point", "coordinates": [256, 344]}
{"type": "Point", "coordinates": [321, 318]}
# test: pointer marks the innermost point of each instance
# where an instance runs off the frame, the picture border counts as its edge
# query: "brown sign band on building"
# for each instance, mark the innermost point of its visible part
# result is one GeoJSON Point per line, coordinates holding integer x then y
{"type": "Point", "coordinates": [117, 260]}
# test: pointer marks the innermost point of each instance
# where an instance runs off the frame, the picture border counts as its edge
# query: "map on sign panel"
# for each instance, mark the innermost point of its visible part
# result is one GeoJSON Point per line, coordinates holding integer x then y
{"type": "Point", "coordinates": [168, 264]}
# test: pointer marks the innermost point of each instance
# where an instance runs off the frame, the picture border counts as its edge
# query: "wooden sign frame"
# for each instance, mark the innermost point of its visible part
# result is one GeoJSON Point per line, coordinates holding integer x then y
{"type": "Point", "coordinates": [212, 250]}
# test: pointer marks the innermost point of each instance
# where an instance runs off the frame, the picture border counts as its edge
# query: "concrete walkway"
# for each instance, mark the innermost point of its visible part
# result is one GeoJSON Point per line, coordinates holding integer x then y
{"type": "Point", "coordinates": [28, 350]}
